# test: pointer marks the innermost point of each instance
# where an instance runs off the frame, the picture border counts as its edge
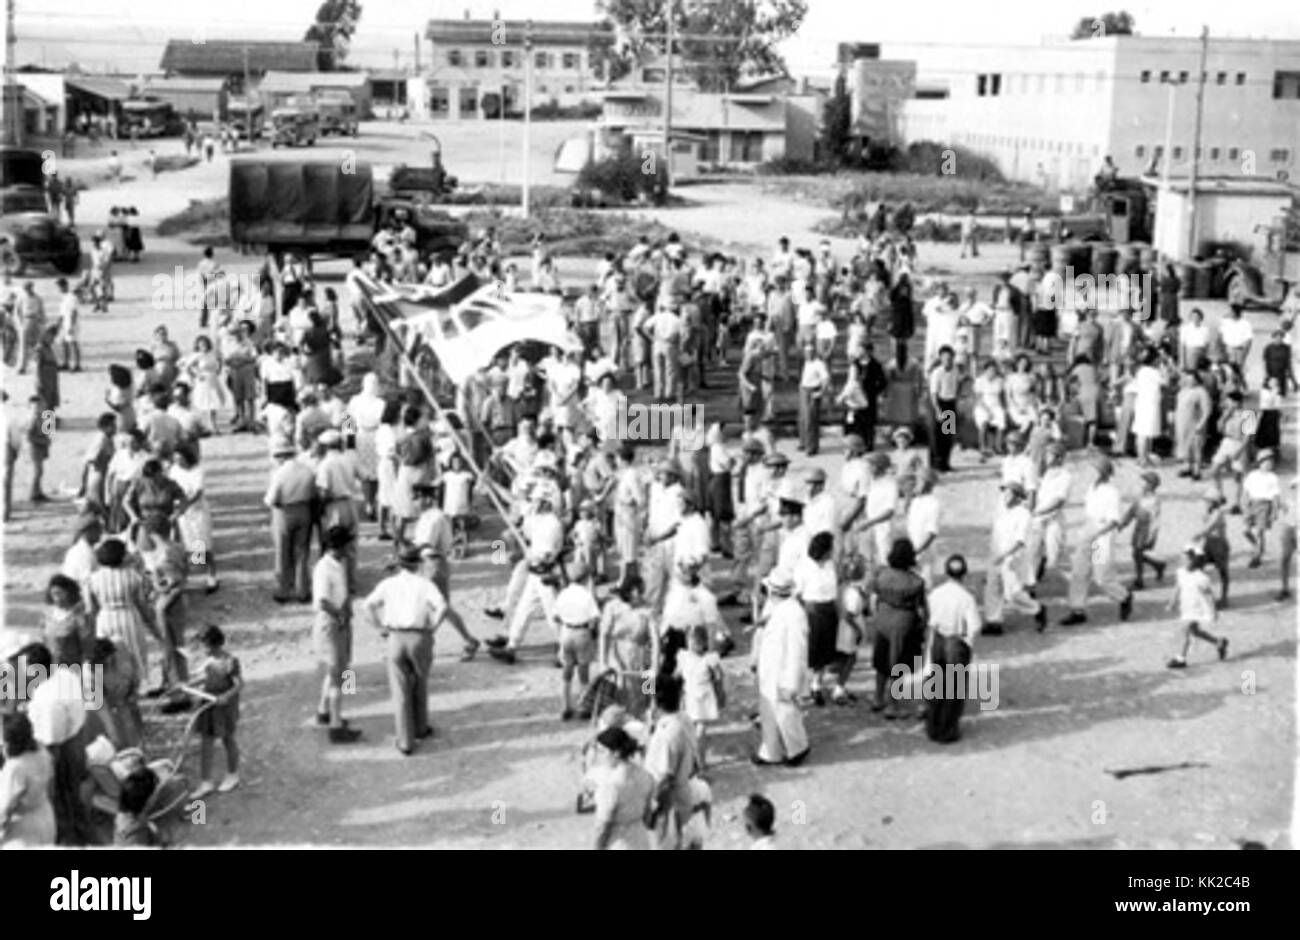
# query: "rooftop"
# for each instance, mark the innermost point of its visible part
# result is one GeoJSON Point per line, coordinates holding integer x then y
{"type": "Point", "coordinates": [543, 32]}
{"type": "Point", "coordinates": [228, 56]}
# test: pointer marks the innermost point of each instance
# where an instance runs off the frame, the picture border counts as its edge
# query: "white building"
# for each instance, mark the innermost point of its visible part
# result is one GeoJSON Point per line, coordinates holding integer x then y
{"type": "Point", "coordinates": [1051, 113]}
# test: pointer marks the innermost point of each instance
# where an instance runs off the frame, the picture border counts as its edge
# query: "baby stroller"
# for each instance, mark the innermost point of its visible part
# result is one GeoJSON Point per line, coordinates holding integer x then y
{"type": "Point", "coordinates": [108, 769]}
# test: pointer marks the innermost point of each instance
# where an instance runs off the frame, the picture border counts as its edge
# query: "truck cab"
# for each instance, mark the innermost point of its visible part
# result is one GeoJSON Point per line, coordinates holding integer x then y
{"type": "Point", "coordinates": [294, 127]}
{"type": "Point", "coordinates": [29, 234]}
{"type": "Point", "coordinates": [338, 115]}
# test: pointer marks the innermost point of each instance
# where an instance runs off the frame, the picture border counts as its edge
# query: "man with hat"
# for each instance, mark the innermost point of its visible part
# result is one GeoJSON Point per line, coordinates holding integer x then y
{"type": "Point", "coordinates": [781, 667]}
{"type": "Point", "coordinates": [750, 502]}
{"type": "Point", "coordinates": [337, 488]}
{"type": "Point", "coordinates": [1009, 563]}
{"type": "Point", "coordinates": [663, 516]}
{"type": "Point", "coordinates": [1094, 556]}
{"type": "Point", "coordinates": [819, 505]}
{"type": "Point", "coordinates": [1047, 529]}
{"type": "Point", "coordinates": [794, 536]}
{"type": "Point", "coordinates": [290, 496]}
{"type": "Point", "coordinates": [765, 522]}
{"type": "Point", "coordinates": [408, 610]}
{"type": "Point", "coordinates": [1263, 495]}
{"type": "Point", "coordinates": [332, 632]}
{"type": "Point", "coordinates": [433, 535]}
{"type": "Point", "coordinates": [536, 578]}
{"type": "Point", "coordinates": [1018, 466]}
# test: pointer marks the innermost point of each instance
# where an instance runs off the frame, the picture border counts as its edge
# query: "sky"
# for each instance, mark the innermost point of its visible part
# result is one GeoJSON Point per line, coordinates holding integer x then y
{"type": "Point", "coordinates": [127, 35]}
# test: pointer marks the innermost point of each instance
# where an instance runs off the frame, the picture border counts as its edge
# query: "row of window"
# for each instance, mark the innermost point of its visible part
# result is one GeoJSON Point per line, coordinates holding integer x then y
{"type": "Point", "coordinates": [746, 147]}
{"type": "Point", "coordinates": [511, 58]}
{"type": "Point", "coordinates": [468, 98]}
{"type": "Point", "coordinates": [1276, 155]}
{"type": "Point", "coordinates": [992, 84]}
{"type": "Point", "coordinates": [1034, 143]}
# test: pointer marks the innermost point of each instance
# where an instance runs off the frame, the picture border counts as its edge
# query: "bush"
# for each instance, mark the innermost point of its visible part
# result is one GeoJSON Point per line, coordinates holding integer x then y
{"type": "Point", "coordinates": [929, 158]}
{"type": "Point", "coordinates": [622, 178]}
{"type": "Point", "coordinates": [203, 221]}
{"type": "Point", "coordinates": [553, 111]}
{"type": "Point", "coordinates": [793, 166]}
{"type": "Point", "coordinates": [574, 231]}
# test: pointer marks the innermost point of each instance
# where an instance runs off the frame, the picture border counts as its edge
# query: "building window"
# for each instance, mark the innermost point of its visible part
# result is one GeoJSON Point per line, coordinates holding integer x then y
{"type": "Point", "coordinates": [981, 85]}
{"type": "Point", "coordinates": [455, 58]}
{"type": "Point", "coordinates": [1182, 78]}
{"type": "Point", "coordinates": [1232, 153]}
{"type": "Point", "coordinates": [1241, 78]}
{"type": "Point", "coordinates": [568, 89]}
{"type": "Point", "coordinates": [570, 60]}
{"type": "Point", "coordinates": [468, 99]}
{"type": "Point", "coordinates": [1164, 78]}
{"type": "Point", "coordinates": [482, 58]}
{"type": "Point", "coordinates": [439, 100]}
{"type": "Point", "coordinates": [1178, 153]}
{"type": "Point", "coordinates": [995, 84]}
{"type": "Point", "coordinates": [1214, 153]}
{"type": "Point", "coordinates": [1281, 155]}
{"type": "Point", "coordinates": [542, 60]}
{"type": "Point", "coordinates": [1286, 84]}
{"type": "Point", "coordinates": [1140, 151]}
{"type": "Point", "coordinates": [1146, 76]}
{"type": "Point", "coordinates": [1221, 78]}
{"type": "Point", "coordinates": [1159, 151]}
{"type": "Point", "coordinates": [507, 59]}
{"type": "Point", "coordinates": [711, 147]}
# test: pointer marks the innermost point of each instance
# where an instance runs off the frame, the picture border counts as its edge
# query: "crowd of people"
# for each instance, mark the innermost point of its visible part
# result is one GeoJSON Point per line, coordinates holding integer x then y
{"type": "Point", "coordinates": [632, 550]}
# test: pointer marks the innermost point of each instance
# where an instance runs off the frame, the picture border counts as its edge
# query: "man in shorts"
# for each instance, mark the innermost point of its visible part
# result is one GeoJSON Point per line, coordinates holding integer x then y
{"type": "Point", "coordinates": [578, 617]}
{"type": "Point", "coordinates": [332, 631]}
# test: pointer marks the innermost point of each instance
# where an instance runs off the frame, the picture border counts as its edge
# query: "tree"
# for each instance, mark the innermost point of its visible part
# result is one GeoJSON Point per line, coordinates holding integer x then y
{"type": "Point", "coordinates": [1108, 24]}
{"type": "Point", "coordinates": [336, 21]}
{"type": "Point", "coordinates": [747, 35]}
{"type": "Point", "coordinates": [837, 120]}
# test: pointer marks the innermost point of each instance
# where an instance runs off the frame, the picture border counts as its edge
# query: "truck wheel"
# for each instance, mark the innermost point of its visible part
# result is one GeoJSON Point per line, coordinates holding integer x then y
{"type": "Point", "coordinates": [11, 262]}
{"type": "Point", "coordinates": [68, 264]}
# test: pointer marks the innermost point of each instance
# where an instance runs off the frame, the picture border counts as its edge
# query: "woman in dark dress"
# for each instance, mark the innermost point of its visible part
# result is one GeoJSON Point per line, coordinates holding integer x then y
{"type": "Point", "coordinates": [902, 322]}
{"type": "Point", "coordinates": [900, 623]}
{"type": "Point", "coordinates": [318, 351]}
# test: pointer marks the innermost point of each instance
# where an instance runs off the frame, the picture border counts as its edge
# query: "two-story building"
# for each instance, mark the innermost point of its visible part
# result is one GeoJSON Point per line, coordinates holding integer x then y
{"type": "Point", "coordinates": [233, 59]}
{"type": "Point", "coordinates": [474, 63]}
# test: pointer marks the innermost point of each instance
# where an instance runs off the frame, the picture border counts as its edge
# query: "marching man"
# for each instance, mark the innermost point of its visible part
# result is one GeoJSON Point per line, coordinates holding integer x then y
{"type": "Point", "coordinates": [1008, 566]}
{"type": "Point", "coordinates": [1094, 557]}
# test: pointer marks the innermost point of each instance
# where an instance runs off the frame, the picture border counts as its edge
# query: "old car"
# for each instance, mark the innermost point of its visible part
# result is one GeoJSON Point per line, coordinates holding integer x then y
{"type": "Point", "coordinates": [29, 234]}
{"type": "Point", "coordinates": [294, 127]}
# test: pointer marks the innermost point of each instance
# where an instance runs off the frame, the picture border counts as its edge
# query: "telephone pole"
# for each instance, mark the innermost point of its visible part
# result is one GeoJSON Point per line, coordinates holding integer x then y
{"type": "Point", "coordinates": [12, 101]}
{"type": "Point", "coordinates": [668, 99]}
{"type": "Point", "coordinates": [1196, 146]}
{"type": "Point", "coordinates": [528, 115]}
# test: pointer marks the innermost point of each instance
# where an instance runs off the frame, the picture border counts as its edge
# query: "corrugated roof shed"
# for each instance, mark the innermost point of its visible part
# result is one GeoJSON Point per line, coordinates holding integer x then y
{"type": "Point", "coordinates": [227, 56]}
{"type": "Point", "coordinates": [110, 88]}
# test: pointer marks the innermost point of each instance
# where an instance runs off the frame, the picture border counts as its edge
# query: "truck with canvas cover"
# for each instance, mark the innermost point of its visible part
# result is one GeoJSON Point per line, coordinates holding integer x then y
{"type": "Point", "coordinates": [320, 208]}
{"type": "Point", "coordinates": [29, 234]}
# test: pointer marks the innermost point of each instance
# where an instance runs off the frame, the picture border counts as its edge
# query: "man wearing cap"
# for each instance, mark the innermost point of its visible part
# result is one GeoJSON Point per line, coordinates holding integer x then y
{"type": "Point", "coordinates": [290, 496]}
{"type": "Point", "coordinates": [1009, 564]}
{"type": "Point", "coordinates": [663, 516]}
{"type": "Point", "coordinates": [819, 505]}
{"type": "Point", "coordinates": [337, 488]}
{"type": "Point", "coordinates": [781, 666]}
{"type": "Point", "coordinates": [793, 534]}
{"type": "Point", "coordinates": [332, 632]}
{"type": "Point", "coordinates": [923, 524]}
{"type": "Point", "coordinates": [408, 610]}
{"type": "Point", "coordinates": [1047, 531]}
{"type": "Point", "coordinates": [535, 579]}
{"type": "Point", "coordinates": [1263, 503]}
{"type": "Point", "coordinates": [954, 624]}
{"type": "Point", "coordinates": [1094, 557]}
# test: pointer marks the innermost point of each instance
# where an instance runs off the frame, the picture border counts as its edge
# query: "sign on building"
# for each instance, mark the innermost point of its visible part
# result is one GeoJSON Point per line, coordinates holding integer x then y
{"type": "Point", "coordinates": [878, 88]}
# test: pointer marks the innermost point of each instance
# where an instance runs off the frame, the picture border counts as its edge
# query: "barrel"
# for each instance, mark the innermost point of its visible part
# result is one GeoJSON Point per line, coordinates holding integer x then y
{"type": "Point", "coordinates": [1081, 258]}
{"type": "Point", "coordinates": [1105, 257]}
{"type": "Point", "coordinates": [1187, 274]}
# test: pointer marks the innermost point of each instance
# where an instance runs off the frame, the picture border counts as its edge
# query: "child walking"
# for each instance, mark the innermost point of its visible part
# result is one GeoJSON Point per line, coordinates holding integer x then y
{"type": "Point", "coordinates": [1263, 495]}
{"type": "Point", "coordinates": [702, 689]}
{"type": "Point", "coordinates": [221, 678]}
{"type": "Point", "coordinates": [1145, 514]}
{"type": "Point", "coordinates": [1194, 596]}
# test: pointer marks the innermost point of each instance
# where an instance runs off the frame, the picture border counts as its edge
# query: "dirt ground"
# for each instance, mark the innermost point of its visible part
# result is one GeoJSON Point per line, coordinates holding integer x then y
{"type": "Point", "coordinates": [1075, 704]}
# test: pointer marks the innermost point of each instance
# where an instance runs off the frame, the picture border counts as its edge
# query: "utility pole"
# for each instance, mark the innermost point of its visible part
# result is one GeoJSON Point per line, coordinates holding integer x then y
{"type": "Point", "coordinates": [528, 113]}
{"type": "Point", "coordinates": [668, 99]}
{"type": "Point", "coordinates": [248, 94]}
{"type": "Point", "coordinates": [13, 107]}
{"type": "Point", "coordinates": [1196, 145]}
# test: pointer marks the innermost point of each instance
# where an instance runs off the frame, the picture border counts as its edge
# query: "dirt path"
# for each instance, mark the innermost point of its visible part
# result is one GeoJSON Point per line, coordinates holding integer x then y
{"type": "Point", "coordinates": [1073, 703]}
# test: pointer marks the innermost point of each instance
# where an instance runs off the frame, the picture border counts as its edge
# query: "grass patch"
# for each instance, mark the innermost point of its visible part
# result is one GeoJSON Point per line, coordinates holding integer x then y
{"type": "Point", "coordinates": [578, 231]}
{"type": "Point", "coordinates": [851, 193]}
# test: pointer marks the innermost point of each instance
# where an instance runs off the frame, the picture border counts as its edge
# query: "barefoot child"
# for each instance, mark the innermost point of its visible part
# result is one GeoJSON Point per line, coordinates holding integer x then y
{"type": "Point", "coordinates": [221, 678]}
{"type": "Point", "coordinates": [1145, 514]}
{"type": "Point", "coordinates": [1194, 596]}
{"type": "Point", "coordinates": [701, 675]}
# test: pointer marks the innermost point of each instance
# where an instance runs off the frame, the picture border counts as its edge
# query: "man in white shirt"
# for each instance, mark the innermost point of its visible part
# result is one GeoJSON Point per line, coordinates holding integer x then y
{"type": "Point", "coordinates": [408, 610]}
{"type": "Point", "coordinates": [814, 383]}
{"type": "Point", "coordinates": [781, 667]}
{"type": "Point", "coordinates": [1019, 467]}
{"type": "Point", "coordinates": [923, 524]}
{"type": "Point", "coordinates": [1047, 532]}
{"type": "Point", "coordinates": [1007, 579]}
{"type": "Point", "coordinates": [544, 532]}
{"type": "Point", "coordinates": [56, 707]}
{"type": "Point", "coordinates": [689, 604]}
{"type": "Point", "coordinates": [794, 535]}
{"type": "Point", "coordinates": [337, 487]}
{"type": "Point", "coordinates": [1263, 495]}
{"type": "Point", "coordinates": [693, 542]}
{"type": "Point", "coordinates": [663, 516]}
{"type": "Point", "coordinates": [783, 261]}
{"type": "Point", "coordinates": [940, 324]}
{"type": "Point", "coordinates": [332, 632]}
{"type": "Point", "coordinates": [663, 330]}
{"type": "Point", "coordinates": [1094, 556]}
{"type": "Point", "coordinates": [577, 617]}
{"type": "Point", "coordinates": [855, 482]}
{"type": "Point", "coordinates": [819, 508]}
{"type": "Point", "coordinates": [954, 624]}
{"type": "Point", "coordinates": [1236, 333]}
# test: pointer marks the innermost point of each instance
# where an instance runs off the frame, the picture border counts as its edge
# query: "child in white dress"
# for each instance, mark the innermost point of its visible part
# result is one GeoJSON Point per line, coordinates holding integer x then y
{"type": "Point", "coordinates": [701, 675]}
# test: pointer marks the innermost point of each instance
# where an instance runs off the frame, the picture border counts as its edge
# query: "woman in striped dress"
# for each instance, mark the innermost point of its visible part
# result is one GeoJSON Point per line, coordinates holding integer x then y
{"type": "Point", "coordinates": [117, 601]}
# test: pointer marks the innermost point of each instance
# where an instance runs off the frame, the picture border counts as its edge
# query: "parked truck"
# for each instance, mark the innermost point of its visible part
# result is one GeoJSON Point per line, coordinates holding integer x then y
{"type": "Point", "coordinates": [326, 207]}
{"type": "Point", "coordinates": [29, 233]}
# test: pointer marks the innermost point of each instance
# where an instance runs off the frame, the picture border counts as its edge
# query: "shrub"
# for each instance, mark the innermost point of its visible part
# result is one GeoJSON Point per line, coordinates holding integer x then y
{"type": "Point", "coordinates": [793, 166]}
{"type": "Point", "coordinates": [621, 177]}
